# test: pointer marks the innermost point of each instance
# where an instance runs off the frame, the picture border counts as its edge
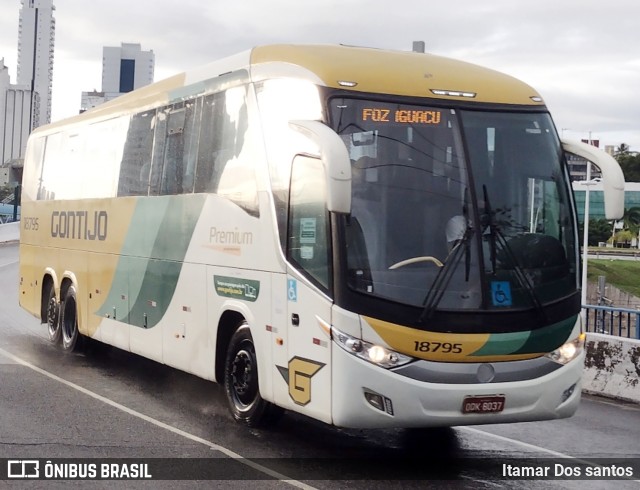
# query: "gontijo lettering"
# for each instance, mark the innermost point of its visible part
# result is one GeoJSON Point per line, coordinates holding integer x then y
{"type": "Point", "coordinates": [80, 225]}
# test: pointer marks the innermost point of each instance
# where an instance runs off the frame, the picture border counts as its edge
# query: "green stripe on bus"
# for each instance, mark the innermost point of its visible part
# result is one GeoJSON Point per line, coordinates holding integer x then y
{"type": "Point", "coordinates": [544, 339]}
{"type": "Point", "coordinates": [549, 338]}
{"type": "Point", "coordinates": [161, 229]}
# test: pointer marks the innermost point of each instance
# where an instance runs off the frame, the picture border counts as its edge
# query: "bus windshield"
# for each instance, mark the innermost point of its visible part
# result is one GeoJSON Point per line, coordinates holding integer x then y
{"type": "Point", "coordinates": [442, 222]}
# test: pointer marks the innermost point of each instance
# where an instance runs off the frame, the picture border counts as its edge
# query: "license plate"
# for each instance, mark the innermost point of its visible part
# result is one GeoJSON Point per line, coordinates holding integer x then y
{"type": "Point", "coordinates": [483, 404]}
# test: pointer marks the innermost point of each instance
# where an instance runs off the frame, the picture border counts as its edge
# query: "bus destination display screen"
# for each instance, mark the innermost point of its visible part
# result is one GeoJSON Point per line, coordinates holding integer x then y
{"type": "Point", "coordinates": [401, 116]}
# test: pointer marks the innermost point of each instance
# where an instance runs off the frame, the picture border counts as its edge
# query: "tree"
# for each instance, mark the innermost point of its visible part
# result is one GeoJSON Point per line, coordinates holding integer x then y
{"type": "Point", "coordinates": [629, 162]}
{"type": "Point", "coordinates": [631, 219]}
{"type": "Point", "coordinates": [621, 151]}
{"type": "Point", "coordinates": [599, 231]}
{"type": "Point", "coordinates": [623, 237]}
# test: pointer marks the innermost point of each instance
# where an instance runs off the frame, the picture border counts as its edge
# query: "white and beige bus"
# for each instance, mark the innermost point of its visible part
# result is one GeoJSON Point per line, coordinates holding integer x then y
{"type": "Point", "coordinates": [366, 237]}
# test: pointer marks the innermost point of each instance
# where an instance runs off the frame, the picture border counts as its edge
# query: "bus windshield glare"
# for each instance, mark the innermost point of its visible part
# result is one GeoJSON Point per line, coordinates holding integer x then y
{"type": "Point", "coordinates": [456, 209]}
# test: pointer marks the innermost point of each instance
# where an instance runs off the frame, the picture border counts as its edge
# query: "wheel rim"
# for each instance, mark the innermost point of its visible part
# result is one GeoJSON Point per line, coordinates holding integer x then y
{"type": "Point", "coordinates": [243, 378]}
{"type": "Point", "coordinates": [52, 317]}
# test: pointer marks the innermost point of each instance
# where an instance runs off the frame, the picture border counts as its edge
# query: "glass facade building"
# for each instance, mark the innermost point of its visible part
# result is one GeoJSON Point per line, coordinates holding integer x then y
{"type": "Point", "coordinates": [596, 199]}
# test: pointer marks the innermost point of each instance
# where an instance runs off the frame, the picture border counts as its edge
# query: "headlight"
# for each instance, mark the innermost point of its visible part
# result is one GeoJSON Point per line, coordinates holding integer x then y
{"type": "Point", "coordinates": [375, 354]}
{"type": "Point", "coordinates": [569, 351]}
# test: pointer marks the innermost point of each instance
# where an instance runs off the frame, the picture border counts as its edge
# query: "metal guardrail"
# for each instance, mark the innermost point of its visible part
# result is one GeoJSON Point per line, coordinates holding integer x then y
{"type": "Point", "coordinates": [8, 218]}
{"type": "Point", "coordinates": [621, 322]}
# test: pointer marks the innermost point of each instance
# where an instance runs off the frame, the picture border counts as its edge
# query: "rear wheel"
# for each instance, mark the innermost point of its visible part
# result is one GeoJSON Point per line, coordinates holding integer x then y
{"type": "Point", "coordinates": [54, 330]}
{"type": "Point", "coordinates": [241, 382]}
{"type": "Point", "coordinates": [69, 321]}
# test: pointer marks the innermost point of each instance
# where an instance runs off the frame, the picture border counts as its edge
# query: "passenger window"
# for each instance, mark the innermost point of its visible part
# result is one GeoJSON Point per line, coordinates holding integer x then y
{"type": "Point", "coordinates": [209, 143]}
{"type": "Point", "coordinates": [136, 157]}
{"type": "Point", "coordinates": [160, 135]}
{"type": "Point", "coordinates": [193, 113]}
{"type": "Point", "coordinates": [173, 152]}
{"type": "Point", "coordinates": [225, 161]}
{"type": "Point", "coordinates": [308, 244]}
{"type": "Point", "coordinates": [180, 149]}
{"type": "Point", "coordinates": [234, 169]}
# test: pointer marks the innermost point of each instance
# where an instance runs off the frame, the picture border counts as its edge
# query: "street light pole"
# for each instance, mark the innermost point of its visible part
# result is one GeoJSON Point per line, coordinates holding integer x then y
{"type": "Point", "coordinates": [585, 240]}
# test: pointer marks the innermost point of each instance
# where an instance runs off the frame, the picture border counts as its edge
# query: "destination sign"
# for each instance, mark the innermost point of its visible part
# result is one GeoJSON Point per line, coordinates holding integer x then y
{"type": "Point", "coordinates": [401, 116]}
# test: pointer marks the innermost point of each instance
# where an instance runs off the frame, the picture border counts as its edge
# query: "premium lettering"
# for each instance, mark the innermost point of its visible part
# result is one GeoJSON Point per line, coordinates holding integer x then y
{"type": "Point", "coordinates": [230, 237]}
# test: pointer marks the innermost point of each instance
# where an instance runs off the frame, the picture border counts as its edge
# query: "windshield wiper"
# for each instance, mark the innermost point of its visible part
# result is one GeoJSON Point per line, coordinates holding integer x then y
{"type": "Point", "coordinates": [496, 236]}
{"type": "Point", "coordinates": [440, 283]}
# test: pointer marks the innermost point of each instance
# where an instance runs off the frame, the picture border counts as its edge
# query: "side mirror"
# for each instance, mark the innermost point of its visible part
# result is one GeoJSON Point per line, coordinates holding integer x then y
{"type": "Point", "coordinates": [335, 158]}
{"type": "Point", "coordinates": [612, 176]}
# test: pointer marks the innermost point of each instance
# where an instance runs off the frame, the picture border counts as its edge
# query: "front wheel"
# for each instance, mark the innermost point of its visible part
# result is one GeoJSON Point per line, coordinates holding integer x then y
{"type": "Point", "coordinates": [241, 382]}
{"type": "Point", "coordinates": [69, 321]}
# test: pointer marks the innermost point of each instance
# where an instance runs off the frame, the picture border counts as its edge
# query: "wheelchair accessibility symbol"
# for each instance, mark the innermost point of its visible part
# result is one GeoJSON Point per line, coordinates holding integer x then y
{"type": "Point", "coordinates": [292, 290]}
{"type": "Point", "coordinates": [501, 293]}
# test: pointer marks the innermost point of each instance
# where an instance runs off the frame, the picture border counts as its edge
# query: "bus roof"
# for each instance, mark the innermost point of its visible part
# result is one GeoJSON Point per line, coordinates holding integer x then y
{"type": "Point", "coordinates": [400, 73]}
{"type": "Point", "coordinates": [346, 67]}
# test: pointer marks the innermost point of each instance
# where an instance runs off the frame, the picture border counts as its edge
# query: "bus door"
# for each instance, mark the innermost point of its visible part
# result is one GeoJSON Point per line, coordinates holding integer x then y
{"type": "Point", "coordinates": [308, 373]}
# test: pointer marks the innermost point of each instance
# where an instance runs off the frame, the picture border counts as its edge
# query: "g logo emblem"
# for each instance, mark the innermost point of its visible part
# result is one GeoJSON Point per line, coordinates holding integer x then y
{"type": "Point", "coordinates": [298, 376]}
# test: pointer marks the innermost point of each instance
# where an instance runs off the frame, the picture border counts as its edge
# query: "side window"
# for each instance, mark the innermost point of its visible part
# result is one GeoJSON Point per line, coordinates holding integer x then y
{"type": "Point", "coordinates": [159, 139]}
{"type": "Point", "coordinates": [209, 143]}
{"type": "Point", "coordinates": [180, 148]}
{"type": "Point", "coordinates": [225, 161]}
{"type": "Point", "coordinates": [103, 145]}
{"type": "Point", "coordinates": [52, 163]}
{"type": "Point", "coordinates": [235, 163]}
{"type": "Point", "coordinates": [136, 158]}
{"type": "Point", "coordinates": [32, 173]}
{"type": "Point", "coordinates": [308, 237]}
{"type": "Point", "coordinates": [193, 113]}
{"type": "Point", "coordinates": [280, 101]}
{"type": "Point", "coordinates": [173, 151]}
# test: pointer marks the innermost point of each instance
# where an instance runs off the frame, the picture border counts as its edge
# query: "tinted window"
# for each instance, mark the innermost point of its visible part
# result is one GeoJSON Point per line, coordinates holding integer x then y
{"type": "Point", "coordinates": [136, 158]}
{"type": "Point", "coordinates": [308, 220]}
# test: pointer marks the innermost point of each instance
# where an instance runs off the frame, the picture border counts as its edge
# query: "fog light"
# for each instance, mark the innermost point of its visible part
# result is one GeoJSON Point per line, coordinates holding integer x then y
{"type": "Point", "coordinates": [568, 392]}
{"type": "Point", "coordinates": [375, 400]}
{"type": "Point", "coordinates": [380, 402]}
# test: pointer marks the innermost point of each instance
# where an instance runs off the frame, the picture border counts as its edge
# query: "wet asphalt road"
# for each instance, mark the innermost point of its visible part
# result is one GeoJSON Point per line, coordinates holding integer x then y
{"type": "Point", "coordinates": [106, 403]}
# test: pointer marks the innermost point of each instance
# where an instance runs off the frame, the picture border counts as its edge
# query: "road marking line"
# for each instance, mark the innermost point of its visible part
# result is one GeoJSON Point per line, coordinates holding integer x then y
{"type": "Point", "coordinates": [146, 418]}
{"type": "Point", "coordinates": [533, 447]}
{"type": "Point", "coordinates": [515, 441]}
{"type": "Point", "coordinates": [9, 263]}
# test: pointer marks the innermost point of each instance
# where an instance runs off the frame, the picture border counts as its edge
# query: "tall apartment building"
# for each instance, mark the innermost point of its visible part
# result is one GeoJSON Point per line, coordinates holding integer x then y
{"type": "Point", "coordinates": [27, 104]}
{"type": "Point", "coordinates": [15, 117]}
{"type": "Point", "coordinates": [124, 69]}
{"type": "Point", "coordinates": [36, 36]}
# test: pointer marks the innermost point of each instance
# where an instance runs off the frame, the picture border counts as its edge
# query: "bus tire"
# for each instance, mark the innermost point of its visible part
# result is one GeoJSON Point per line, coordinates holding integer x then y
{"type": "Point", "coordinates": [69, 321]}
{"type": "Point", "coordinates": [52, 319]}
{"type": "Point", "coordinates": [241, 382]}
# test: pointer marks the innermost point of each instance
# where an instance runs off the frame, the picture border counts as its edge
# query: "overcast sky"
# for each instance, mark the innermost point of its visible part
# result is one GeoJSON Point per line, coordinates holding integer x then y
{"type": "Point", "coordinates": [583, 56]}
